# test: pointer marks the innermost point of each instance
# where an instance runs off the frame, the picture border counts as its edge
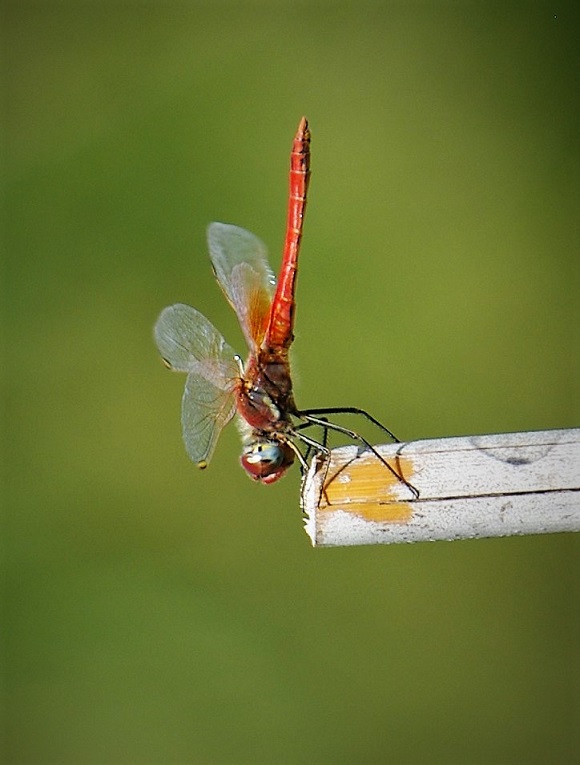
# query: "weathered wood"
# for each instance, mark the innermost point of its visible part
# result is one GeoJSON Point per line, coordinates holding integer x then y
{"type": "Point", "coordinates": [470, 487]}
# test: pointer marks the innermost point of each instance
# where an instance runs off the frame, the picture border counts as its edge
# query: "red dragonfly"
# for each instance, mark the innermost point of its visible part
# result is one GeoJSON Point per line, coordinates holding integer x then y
{"type": "Point", "coordinates": [218, 383]}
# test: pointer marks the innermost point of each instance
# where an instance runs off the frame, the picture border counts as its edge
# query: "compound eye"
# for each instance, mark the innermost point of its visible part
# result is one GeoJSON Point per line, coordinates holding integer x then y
{"type": "Point", "coordinates": [267, 461]}
{"type": "Point", "coordinates": [265, 453]}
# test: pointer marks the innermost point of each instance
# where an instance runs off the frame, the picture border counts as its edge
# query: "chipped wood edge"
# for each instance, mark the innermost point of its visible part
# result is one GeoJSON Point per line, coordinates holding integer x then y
{"type": "Point", "coordinates": [471, 487]}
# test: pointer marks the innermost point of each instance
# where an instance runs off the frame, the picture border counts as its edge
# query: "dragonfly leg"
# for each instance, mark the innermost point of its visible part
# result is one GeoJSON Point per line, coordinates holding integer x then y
{"type": "Point", "coordinates": [314, 446]}
{"type": "Point", "coordinates": [349, 410]}
{"type": "Point", "coordinates": [311, 419]}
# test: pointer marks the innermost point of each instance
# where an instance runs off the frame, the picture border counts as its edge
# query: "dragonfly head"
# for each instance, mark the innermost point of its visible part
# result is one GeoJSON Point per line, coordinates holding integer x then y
{"type": "Point", "coordinates": [266, 460]}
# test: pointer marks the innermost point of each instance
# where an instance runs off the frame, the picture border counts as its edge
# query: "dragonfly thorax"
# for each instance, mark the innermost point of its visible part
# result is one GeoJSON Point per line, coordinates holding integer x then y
{"type": "Point", "coordinates": [266, 460]}
{"type": "Point", "coordinates": [264, 395]}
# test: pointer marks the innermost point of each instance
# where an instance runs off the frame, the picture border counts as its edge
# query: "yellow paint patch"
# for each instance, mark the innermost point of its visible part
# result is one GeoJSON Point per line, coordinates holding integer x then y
{"type": "Point", "coordinates": [367, 488]}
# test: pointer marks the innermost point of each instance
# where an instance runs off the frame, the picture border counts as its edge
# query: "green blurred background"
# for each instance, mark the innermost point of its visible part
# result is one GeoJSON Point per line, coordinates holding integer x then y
{"type": "Point", "coordinates": [156, 614]}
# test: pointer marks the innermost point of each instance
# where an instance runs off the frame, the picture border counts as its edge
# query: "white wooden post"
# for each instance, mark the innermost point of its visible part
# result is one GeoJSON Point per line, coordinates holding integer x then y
{"type": "Point", "coordinates": [470, 487]}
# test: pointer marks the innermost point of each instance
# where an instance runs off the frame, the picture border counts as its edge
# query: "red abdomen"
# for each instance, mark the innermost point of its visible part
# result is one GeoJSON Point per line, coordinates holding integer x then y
{"type": "Point", "coordinates": [279, 333]}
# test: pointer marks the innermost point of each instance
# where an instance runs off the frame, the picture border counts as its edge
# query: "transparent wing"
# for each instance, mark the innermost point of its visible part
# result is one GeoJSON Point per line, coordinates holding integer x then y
{"type": "Point", "coordinates": [205, 410]}
{"type": "Point", "coordinates": [188, 342]}
{"type": "Point", "coordinates": [240, 263]}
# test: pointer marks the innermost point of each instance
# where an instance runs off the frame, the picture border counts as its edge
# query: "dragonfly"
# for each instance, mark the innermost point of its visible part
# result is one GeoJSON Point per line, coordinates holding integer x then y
{"type": "Point", "coordinates": [219, 383]}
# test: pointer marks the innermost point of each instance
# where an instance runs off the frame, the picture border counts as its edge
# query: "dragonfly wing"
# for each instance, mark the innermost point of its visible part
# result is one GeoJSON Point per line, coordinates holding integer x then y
{"type": "Point", "coordinates": [205, 410]}
{"type": "Point", "coordinates": [240, 263]}
{"type": "Point", "coordinates": [188, 342]}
